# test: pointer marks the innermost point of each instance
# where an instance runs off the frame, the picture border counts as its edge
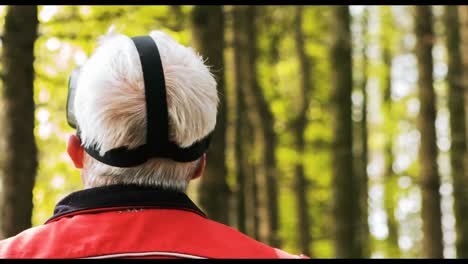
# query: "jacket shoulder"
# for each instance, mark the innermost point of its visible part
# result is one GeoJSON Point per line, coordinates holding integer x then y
{"type": "Point", "coordinates": [18, 246]}
{"type": "Point", "coordinates": [250, 247]}
{"type": "Point", "coordinates": [176, 231]}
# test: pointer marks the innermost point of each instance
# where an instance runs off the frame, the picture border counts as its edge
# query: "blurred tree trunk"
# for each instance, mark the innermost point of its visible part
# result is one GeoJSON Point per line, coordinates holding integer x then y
{"type": "Point", "coordinates": [261, 116]}
{"type": "Point", "coordinates": [240, 138]}
{"type": "Point", "coordinates": [240, 129]}
{"type": "Point", "coordinates": [363, 237]}
{"type": "Point", "coordinates": [247, 175]}
{"type": "Point", "coordinates": [429, 177]}
{"type": "Point", "coordinates": [246, 132]}
{"type": "Point", "coordinates": [180, 17]}
{"type": "Point", "coordinates": [270, 192]}
{"type": "Point", "coordinates": [254, 218]}
{"type": "Point", "coordinates": [208, 35]}
{"type": "Point", "coordinates": [19, 166]}
{"type": "Point", "coordinates": [346, 206]}
{"type": "Point", "coordinates": [458, 149]}
{"type": "Point", "coordinates": [300, 122]}
{"type": "Point", "coordinates": [390, 179]}
{"type": "Point", "coordinates": [463, 13]}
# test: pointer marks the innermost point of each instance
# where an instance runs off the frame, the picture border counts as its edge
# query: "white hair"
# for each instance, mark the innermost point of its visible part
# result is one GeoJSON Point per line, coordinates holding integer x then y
{"type": "Point", "coordinates": [110, 109]}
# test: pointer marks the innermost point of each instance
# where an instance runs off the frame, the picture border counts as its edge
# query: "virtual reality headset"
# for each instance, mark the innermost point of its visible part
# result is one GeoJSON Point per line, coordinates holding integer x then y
{"type": "Point", "coordinates": [72, 84]}
{"type": "Point", "coordinates": [158, 144]}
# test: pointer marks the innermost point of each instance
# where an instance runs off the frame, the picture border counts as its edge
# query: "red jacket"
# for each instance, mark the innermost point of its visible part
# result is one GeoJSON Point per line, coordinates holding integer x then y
{"type": "Point", "coordinates": [131, 221]}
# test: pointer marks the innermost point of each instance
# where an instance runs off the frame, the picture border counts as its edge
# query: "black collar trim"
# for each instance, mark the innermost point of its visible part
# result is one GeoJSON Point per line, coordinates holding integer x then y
{"type": "Point", "coordinates": [117, 197]}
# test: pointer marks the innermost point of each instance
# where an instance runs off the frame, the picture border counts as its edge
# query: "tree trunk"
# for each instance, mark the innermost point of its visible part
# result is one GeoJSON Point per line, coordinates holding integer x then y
{"type": "Point", "coordinates": [240, 128]}
{"type": "Point", "coordinates": [463, 13]}
{"type": "Point", "coordinates": [390, 179]}
{"type": "Point", "coordinates": [363, 242]}
{"type": "Point", "coordinates": [19, 166]}
{"type": "Point", "coordinates": [247, 196]}
{"type": "Point", "coordinates": [458, 148]}
{"type": "Point", "coordinates": [208, 34]}
{"type": "Point", "coordinates": [254, 218]}
{"type": "Point", "coordinates": [301, 184]}
{"type": "Point", "coordinates": [429, 176]}
{"type": "Point", "coordinates": [261, 116]}
{"type": "Point", "coordinates": [240, 169]}
{"type": "Point", "coordinates": [245, 132]}
{"type": "Point", "coordinates": [269, 136]}
{"type": "Point", "coordinates": [345, 203]}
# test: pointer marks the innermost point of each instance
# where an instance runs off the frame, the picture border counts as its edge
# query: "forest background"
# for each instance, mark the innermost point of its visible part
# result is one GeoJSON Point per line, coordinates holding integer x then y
{"type": "Point", "coordinates": [341, 132]}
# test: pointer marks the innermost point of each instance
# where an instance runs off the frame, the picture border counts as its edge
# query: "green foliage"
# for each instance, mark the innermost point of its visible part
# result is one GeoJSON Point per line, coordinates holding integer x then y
{"type": "Point", "coordinates": [69, 34]}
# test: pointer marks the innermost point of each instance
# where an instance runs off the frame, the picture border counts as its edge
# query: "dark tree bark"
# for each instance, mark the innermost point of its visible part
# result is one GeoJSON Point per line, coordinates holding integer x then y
{"type": "Point", "coordinates": [247, 194]}
{"type": "Point", "coordinates": [261, 116]}
{"type": "Point", "coordinates": [241, 191]}
{"type": "Point", "coordinates": [19, 166]}
{"type": "Point", "coordinates": [463, 14]}
{"type": "Point", "coordinates": [300, 122]}
{"type": "Point", "coordinates": [429, 176]}
{"type": "Point", "coordinates": [245, 132]}
{"type": "Point", "coordinates": [254, 218]}
{"type": "Point", "coordinates": [268, 134]}
{"type": "Point", "coordinates": [458, 148]}
{"type": "Point", "coordinates": [240, 127]}
{"type": "Point", "coordinates": [363, 242]}
{"type": "Point", "coordinates": [346, 206]}
{"type": "Point", "coordinates": [208, 33]}
{"type": "Point", "coordinates": [390, 179]}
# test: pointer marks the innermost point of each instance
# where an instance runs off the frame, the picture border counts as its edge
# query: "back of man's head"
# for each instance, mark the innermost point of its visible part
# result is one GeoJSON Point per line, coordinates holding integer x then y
{"type": "Point", "coordinates": [110, 109]}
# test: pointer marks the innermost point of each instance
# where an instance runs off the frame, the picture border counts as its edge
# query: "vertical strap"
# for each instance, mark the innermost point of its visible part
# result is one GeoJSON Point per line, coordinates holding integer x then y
{"type": "Point", "coordinates": [157, 132]}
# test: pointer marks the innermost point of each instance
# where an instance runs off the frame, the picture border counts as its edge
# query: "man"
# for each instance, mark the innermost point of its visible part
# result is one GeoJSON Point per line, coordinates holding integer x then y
{"type": "Point", "coordinates": [144, 109]}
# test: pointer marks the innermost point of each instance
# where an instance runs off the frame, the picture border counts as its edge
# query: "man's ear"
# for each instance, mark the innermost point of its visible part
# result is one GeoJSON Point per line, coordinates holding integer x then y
{"type": "Point", "coordinates": [201, 168]}
{"type": "Point", "coordinates": [75, 151]}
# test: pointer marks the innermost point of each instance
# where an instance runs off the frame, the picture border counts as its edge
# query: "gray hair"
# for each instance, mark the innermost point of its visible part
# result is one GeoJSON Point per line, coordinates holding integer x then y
{"type": "Point", "coordinates": [110, 109]}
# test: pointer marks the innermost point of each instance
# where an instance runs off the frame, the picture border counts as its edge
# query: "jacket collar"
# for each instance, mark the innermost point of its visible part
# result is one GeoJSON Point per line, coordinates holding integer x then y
{"type": "Point", "coordinates": [118, 197]}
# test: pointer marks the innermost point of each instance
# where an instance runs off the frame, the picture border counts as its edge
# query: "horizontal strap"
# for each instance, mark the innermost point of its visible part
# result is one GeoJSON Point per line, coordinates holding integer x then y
{"type": "Point", "coordinates": [123, 157]}
{"type": "Point", "coordinates": [188, 154]}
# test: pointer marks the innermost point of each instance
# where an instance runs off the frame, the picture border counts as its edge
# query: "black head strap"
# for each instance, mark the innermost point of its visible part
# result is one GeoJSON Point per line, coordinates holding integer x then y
{"type": "Point", "coordinates": [158, 144]}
